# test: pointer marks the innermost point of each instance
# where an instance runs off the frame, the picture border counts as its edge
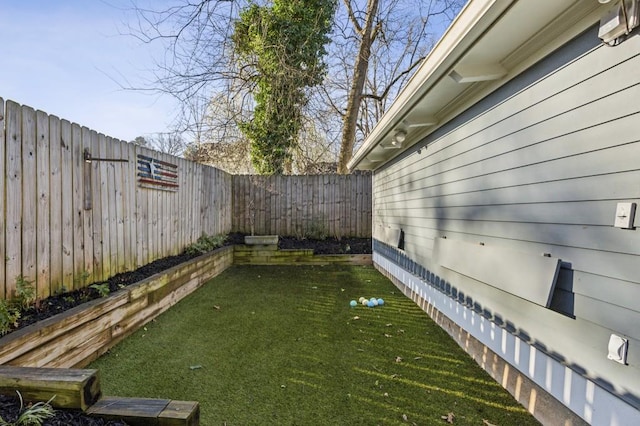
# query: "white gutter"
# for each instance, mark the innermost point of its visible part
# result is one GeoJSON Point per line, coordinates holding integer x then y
{"type": "Point", "coordinates": [473, 20]}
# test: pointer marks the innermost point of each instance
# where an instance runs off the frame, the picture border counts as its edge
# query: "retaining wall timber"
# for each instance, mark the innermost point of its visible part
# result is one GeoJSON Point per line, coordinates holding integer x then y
{"type": "Point", "coordinates": [80, 335]}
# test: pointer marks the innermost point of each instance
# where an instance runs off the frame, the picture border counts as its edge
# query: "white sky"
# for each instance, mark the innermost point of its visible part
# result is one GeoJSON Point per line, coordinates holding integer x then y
{"type": "Point", "coordinates": [62, 57]}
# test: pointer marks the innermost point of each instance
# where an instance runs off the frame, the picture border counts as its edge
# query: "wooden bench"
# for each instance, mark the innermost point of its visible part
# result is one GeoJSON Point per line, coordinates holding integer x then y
{"type": "Point", "coordinates": [72, 388]}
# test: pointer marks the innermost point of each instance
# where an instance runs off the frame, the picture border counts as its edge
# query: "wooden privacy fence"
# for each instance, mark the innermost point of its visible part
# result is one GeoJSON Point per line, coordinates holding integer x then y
{"type": "Point", "coordinates": [79, 206]}
{"type": "Point", "coordinates": [304, 206]}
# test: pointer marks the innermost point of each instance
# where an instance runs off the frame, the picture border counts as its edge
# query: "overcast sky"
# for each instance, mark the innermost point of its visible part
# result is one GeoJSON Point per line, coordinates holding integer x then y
{"type": "Point", "coordinates": [62, 57]}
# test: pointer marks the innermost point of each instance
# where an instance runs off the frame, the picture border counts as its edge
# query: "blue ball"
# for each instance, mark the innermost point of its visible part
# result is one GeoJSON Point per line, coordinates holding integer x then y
{"type": "Point", "coordinates": [370, 304]}
{"type": "Point", "coordinates": [380, 302]}
{"type": "Point", "coordinates": [353, 303]}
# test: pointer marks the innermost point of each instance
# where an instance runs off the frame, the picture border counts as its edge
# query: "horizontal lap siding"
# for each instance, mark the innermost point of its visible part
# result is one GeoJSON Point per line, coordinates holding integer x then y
{"type": "Point", "coordinates": [541, 172]}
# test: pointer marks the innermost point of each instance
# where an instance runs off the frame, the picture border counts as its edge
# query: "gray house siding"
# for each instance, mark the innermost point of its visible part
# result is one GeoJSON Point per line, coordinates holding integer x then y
{"type": "Point", "coordinates": [538, 168]}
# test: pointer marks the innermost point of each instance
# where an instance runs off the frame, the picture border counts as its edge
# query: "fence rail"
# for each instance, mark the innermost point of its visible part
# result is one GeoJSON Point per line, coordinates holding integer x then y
{"type": "Point", "coordinates": [69, 221]}
{"type": "Point", "coordinates": [306, 206]}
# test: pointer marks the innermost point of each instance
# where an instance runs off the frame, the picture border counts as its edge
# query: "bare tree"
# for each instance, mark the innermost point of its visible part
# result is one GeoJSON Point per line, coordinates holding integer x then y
{"type": "Point", "coordinates": [169, 143]}
{"type": "Point", "coordinates": [379, 44]}
{"type": "Point", "coordinates": [375, 47]}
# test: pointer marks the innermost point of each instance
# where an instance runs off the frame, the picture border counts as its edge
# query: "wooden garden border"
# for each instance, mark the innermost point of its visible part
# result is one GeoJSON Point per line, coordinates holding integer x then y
{"type": "Point", "coordinates": [80, 335]}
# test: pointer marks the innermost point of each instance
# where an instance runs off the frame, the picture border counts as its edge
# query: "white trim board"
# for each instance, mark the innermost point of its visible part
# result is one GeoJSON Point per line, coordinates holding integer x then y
{"type": "Point", "coordinates": [588, 400]}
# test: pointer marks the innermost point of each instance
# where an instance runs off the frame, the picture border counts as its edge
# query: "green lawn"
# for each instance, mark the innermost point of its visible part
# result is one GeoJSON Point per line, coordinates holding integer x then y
{"type": "Point", "coordinates": [281, 346]}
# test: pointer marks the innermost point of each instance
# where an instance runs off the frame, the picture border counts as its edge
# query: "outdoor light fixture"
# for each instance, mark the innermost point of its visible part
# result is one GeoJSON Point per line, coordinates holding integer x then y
{"type": "Point", "coordinates": [399, 138]}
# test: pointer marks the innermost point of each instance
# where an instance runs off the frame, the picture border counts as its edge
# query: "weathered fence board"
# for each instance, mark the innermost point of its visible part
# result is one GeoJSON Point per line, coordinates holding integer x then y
{"type": "Point", "coordinates": [304, 206]}
{"type": "Point", "coordinates": [68, 221]}
{"type": "Point", "coordinates": [29, 195]}
{"type": "Point", "coordinates": [67, 206]}
{"type": "Point", "coordinates": [55, 204]}
{"type": "Point", "coordinates": [43, 255]}
{"type": "Point", "coordinates": [2, 216]}
{"type": "Point", "coordinates": [13, 193]}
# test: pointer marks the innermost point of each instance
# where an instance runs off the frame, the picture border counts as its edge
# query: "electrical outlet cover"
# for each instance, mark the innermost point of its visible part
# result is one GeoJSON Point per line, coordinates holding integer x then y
{"type": "Point", "coordinates": [618, 349]}
{"type": "Point", "coordinates": [625, 214]}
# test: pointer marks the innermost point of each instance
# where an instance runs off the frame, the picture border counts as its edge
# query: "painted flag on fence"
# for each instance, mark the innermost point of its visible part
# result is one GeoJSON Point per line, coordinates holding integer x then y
{"type": "Point", "coordinates": [156, 174]}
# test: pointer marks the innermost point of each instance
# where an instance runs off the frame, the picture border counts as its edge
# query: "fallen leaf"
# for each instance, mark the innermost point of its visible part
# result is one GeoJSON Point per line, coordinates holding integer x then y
{"type": "Point", "coordinates": [400, 331]}
{"type": "Point", "coordinates": [487, 423]}
{"type": "Point", "coordinates": [417, 358]}
{"type": "Point", "coordinates": [387, 335]}
{"type": "Point", "coordinates": [389, 325]}
{"type": "Point", "coordinates": [448, 418]}
{"type": "Point", "coordinates": [216, 307]}
{"type": "Point", "coordinates": [356, 317]}
{"type": "Point", "coordinates": [386, 394]}
{"type": "Point", "coordinates": [195, 367]}
{"type": "Point", "coordinates": [405, 418]}
{"type": "Point", "coordinates": [314, 287]}
{"type": "Point", "coordinates": [398, 359]}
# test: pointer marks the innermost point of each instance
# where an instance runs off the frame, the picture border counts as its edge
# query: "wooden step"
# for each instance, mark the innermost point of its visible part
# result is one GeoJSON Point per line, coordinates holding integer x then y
{"type": "Point", "coordinates": [147, 411]}
{"type": "Point", "coordinates": [72, 388]}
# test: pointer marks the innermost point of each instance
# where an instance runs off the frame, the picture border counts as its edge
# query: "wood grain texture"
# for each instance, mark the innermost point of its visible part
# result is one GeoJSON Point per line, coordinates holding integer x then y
{"type": "Point", "coordinates": [305, 206]}
{"type": "Point", "coordinates": [3, 251]}
{"type": "Point", "coordinates": [56, 204]}
{"type": "Point", "coordinates": [13, 194]}
{"type": "Point", "coordinates": [69, 388]}
{"type": "Point", "coordinates": [43, 211]}
{"type": "Point", "coordinates": [29, 195]}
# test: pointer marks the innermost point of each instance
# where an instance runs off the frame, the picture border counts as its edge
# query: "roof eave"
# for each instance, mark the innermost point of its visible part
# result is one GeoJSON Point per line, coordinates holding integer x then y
{"type": "Point", "coordinates": [472, 21]}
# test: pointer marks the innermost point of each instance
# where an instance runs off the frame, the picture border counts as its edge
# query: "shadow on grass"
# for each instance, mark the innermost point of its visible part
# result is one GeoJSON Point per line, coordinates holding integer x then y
{"type": "Point", "coordinates": [281, 345]}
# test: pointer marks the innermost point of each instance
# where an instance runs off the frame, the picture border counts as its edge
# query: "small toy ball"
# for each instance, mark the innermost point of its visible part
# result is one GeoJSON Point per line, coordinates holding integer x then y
{"type": "Point", "coordinates": [374, 301]}
{"type": "Point", "coordinates": [365, 302]}
{"type": "Point", "coordinates": [361, 299]}
{"type": "Point", "coordinates": [380, 302]}
{"type": "Point", "coordinates": [353, 303]}
{"type": "Point", "coordinates": [370, 304]}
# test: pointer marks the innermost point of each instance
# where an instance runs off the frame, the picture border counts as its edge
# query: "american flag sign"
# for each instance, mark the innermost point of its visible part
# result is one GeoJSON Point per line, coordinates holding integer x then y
{"type": "Point", "coordinates": [156, 174]}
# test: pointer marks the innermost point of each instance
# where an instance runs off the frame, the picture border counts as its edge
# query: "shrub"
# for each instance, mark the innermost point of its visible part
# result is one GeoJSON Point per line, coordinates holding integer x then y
{"type": "Point", "coordinates": [33, 415]}
{"type": "Point", "coordinates": [205, 244]}
{"type": "Point", "coordinates": [25, 292]}
{"type": "Point", "coordinates": [9, 317]}
{"type": "Point", "coordinates": [102, 289]}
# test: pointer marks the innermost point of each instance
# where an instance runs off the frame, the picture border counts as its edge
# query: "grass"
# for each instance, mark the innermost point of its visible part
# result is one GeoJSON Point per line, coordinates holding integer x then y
{"type": "Point", "coordinates": [282, 346]}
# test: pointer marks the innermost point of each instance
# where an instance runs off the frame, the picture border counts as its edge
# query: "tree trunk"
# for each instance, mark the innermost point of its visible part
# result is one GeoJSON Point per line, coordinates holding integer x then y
{"type": "Point", "coordinates": [350, 120]}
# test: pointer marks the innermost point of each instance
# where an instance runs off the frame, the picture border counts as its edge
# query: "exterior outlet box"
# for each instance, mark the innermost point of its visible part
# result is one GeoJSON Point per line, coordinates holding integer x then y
{"type": "Point", "coordinates": [613, 24]}
{"type": "Point", "coordinates": [618, 349]}
{"type": "Point", "coordinates": [625, 215]}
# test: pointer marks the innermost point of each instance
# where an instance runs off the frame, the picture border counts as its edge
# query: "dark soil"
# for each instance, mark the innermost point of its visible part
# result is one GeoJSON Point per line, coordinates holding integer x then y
{"type": "Point", "coordinates": [328, 245]}
{"type": "Point", "coordinates": [10, 409]}
{"type": "Point", "coordinates": [61, 302]}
